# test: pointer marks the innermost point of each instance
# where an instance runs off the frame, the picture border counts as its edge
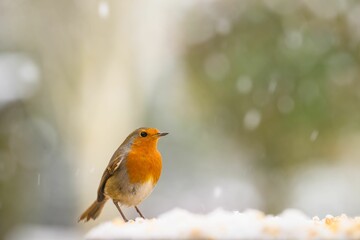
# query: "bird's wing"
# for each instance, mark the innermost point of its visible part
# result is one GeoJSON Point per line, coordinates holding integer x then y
{"type": "Point", "coordinates": [109, 171]}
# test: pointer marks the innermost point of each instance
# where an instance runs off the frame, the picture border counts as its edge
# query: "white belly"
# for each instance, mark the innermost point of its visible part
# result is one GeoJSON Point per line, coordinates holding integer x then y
{"type": "Point", "coordinates": [138, 194]}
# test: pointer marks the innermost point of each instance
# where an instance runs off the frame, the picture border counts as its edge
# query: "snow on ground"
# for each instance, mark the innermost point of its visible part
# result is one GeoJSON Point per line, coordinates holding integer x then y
{"type": "Point", "coordinates": [220, 224]}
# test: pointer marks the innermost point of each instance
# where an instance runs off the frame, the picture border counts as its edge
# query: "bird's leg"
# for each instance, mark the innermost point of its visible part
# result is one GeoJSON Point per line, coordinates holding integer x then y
{"type": "Point", "coordinates": [118, 208]}
{"type": "Point", "coordinates": [139, 212]}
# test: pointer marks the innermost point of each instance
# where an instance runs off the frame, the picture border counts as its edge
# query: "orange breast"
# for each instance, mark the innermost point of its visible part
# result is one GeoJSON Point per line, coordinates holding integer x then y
{"type": "Point", "coordinates": [143, 165]}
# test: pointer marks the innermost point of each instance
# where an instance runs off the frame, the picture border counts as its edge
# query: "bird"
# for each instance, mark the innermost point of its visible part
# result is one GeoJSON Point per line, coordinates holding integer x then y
{"type": "Point", "coordinates": [131, 175]}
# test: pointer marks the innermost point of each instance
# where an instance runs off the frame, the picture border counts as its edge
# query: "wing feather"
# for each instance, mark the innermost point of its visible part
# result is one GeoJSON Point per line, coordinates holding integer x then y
{"type": "Point", "coordinates": [109, 171]}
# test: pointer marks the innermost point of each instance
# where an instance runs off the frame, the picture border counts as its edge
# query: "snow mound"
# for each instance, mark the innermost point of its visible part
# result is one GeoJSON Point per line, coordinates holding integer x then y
{"type": "Point", "coordinates": [220, 224]}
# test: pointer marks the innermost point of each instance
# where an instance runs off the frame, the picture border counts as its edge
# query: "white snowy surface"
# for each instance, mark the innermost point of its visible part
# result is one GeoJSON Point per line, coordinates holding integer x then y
{"type": "Point", "coordinates": [220, 224]}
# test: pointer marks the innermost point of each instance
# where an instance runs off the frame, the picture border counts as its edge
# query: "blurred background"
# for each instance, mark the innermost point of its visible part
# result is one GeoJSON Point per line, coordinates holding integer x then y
{"type": "Point", "coordinates": [261, 99]}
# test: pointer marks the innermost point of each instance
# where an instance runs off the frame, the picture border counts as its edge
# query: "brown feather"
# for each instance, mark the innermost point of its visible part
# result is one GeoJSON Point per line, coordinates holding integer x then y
{"type": "Point", "coordinates": [93, 211]}
{"type": "Point", "coordinates": [113, 165]}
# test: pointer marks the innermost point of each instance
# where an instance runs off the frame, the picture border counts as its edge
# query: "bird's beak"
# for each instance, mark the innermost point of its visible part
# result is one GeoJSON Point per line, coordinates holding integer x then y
{"type": "Point", "coordinates": [162, 134]}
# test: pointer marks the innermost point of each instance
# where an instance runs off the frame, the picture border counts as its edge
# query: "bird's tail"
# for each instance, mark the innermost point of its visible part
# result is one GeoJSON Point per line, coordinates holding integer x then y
{"type": "Point", "coordinates": [93, 211]}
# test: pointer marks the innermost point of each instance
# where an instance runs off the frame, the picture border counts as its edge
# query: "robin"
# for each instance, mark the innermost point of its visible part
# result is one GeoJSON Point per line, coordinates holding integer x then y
{"type": "Point", "coordinates": [131, 175]}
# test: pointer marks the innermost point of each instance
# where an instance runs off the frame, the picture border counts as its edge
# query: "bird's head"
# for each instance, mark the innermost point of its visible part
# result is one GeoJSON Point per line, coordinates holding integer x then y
{"type": "Point", "coordinates": [145, 137]}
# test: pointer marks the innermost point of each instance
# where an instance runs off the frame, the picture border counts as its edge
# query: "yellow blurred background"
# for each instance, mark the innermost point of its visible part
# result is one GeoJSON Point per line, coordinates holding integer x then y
{"type": "Point", "coordinates": [261, 99]}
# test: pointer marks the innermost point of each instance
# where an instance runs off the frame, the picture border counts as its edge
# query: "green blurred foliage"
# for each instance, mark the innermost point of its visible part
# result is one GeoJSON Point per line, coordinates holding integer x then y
{"type": "Point", "coordinates": [299, 73]}
{"type": "Point", "coordinates": [285, 85]}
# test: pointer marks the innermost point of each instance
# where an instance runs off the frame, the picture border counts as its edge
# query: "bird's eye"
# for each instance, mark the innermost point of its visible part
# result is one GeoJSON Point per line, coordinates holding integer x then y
{"type": "Point", "coordinates": [143, 134]}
